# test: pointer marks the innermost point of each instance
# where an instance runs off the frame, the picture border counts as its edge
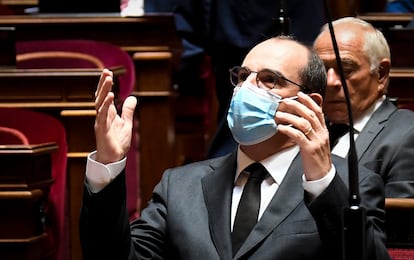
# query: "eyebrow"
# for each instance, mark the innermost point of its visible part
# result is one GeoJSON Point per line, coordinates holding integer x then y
{"type": "Point", "coordinates": [278, 73]}
{"type": "Point", "coordinates": [350, 62]}
{"type": "Point", "coordinates": [344, 61]}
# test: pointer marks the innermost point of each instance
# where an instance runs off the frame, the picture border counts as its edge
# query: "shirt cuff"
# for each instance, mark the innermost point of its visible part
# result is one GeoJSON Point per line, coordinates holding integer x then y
{"type": "Point", "coordinates": [99, 175]}
{"type": "Point", "coordinates": [315, 188]}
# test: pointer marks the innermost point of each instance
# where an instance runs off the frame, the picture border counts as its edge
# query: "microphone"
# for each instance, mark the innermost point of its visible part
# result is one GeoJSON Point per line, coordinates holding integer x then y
{"type": "Point", "coordinates": [282, 23]}
{"type": "Point", "coordinates": [354, 236]}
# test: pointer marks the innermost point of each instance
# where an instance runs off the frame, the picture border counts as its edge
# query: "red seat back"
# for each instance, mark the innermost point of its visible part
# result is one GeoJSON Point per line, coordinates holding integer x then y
{"type": "Point", "coordinates": [40, 128]}
{"type": "Point", "coordinates": [77, 54]}
{"type": "Point", "coordinates": [12, 136]}
{"type": "Point", "coordinates": [88, 54]}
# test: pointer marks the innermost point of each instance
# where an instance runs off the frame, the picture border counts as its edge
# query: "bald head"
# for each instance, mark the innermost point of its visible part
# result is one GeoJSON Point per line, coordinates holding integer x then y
{"type": "Point", "coordinates": [293, 59]}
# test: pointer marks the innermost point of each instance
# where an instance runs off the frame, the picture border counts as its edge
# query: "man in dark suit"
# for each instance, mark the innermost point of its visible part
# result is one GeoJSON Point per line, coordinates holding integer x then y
{"type": "Point", "coordinates": [384, 134]}
{"type": "Point", "coordinates": [195, 208]}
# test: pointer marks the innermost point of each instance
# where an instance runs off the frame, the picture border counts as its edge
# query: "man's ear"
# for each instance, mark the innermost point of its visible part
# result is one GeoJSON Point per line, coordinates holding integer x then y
{"type": "Point", "coordinates": [317, 98]}
{"type": "Point", "coordinates": [383, 72]}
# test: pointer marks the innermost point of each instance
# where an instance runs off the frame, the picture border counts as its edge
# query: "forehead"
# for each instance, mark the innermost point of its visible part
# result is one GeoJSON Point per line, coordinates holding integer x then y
{"type": "Point", "coordinates": [349, 40]}
{"type": "Point", "coordinates": [282, 55]}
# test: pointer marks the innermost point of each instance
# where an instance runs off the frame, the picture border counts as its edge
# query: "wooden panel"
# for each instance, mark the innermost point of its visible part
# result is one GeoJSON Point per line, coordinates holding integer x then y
{"type": "Point", "coordinates": [33, 248]}
{"type": "Point", "coordinates": [23, 213]}
{"type": "Point", "coordinates": [385, 21]}
{"type": "Point", "coordinates": [399, 222]}
{"type": "Point", "coordinates": [25, 181]}
{"type": "Point", "coordinates": [155, 114]}
{"type": "Point", "coordinates": [401, 83]}
{"type": "Point", "coordinates": [73, 105]}
{"type": "Point", "coordinates": [25, 167]}
{"type": "Point", "coordinates": [401, 43]}
{"type": "Point", "coordinates": [149, 32]}
{"type": "Point", "coordinates": [153, 40]}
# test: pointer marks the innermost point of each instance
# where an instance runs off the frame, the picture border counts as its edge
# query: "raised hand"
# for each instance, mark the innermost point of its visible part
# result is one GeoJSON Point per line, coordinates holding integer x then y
{"type": "Point", "coordinates": [306, 126]}
{"type": "Point", "coordinates": [112, 132]}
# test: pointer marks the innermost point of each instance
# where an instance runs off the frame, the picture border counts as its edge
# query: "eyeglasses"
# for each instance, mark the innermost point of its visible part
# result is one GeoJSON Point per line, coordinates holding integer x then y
{"type": "Point", "coordinates": [270, 79]}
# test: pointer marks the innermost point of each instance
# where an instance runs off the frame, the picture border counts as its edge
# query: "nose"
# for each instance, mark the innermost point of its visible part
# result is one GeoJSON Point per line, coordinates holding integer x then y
{"type": "Point", "coordinates": [252, 78]}
{"type": "Point", "coordinates": [333, 79]}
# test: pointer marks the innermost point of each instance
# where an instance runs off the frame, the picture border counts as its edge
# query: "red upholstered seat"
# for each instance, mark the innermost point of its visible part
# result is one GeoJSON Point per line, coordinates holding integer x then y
{"type": "Point", "coordinates": [12, 136]}
{"type": "Point", "coordinates": [38, 128]}
{"type": "Point", "coordinates": [401, 253]}
{"type": "Point", "coordinates": [88, 54]}
{"type": "Point", "coordinates": [77, 54]}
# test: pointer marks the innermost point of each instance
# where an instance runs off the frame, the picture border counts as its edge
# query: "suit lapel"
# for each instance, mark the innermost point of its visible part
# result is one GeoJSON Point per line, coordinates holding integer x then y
{"type": "Point", "coordinates": [217, 190]}
{"type": "Point", "coordinates": [288, 196]}
{"type": "Point", "coordinates": [373, 127]}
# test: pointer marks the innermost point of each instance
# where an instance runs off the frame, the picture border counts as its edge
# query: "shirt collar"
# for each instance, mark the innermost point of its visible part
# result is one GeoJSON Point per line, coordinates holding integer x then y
{"type": "Point", "coordinates": [277, 164]}
{"type": "Point", "coordinates": [363, 120]}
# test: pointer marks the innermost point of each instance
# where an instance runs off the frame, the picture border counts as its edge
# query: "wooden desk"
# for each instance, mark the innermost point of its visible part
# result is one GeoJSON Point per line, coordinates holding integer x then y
{"type": "Point", "coordinates": [401, 83]}
{"type": "Point", "coordinates": [384, 21]}
{"type": "Point", "coordinates": [149, 33]}
{"type": "Point", "coordinates": [401, 42]}
{"type": "Point", "coordinates": [152, 42]}
{"type": "Point", "coordinates": [399, 222]}
{"type": "Point", "coordinates": [67, 94]}
{"type": "Point", "coordinates": [24, 185]}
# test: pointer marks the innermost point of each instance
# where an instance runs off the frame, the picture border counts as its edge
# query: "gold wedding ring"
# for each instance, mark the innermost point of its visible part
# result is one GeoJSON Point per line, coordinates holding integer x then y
{"type": "Point", "coordinates": [308, 132]}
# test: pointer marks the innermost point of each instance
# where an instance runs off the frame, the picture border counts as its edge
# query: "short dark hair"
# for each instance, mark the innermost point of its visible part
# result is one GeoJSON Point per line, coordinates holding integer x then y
{"type": "Point", "coordinates": [313, 75]}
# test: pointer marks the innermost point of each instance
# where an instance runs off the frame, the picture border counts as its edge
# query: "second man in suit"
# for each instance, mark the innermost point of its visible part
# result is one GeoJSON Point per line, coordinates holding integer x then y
{"type": "Point", "coordinates": [384, 134]}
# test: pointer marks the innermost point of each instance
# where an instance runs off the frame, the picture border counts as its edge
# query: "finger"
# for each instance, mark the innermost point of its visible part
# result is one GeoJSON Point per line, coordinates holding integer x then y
{"type": "Point", "coordinates": [128, 108]}
{"type": "Point", "coordinates": [308, 131]}
{"type": "Point", "coordinates": [312, 105]}
{"type": "Point", "coordinates": [104, 89]}
{"type": "Point", "coordinates": [304, 107]}
{"type": "Point", "coordinates": [293, 133]}
{"type": "Point", "coordinates": [103, 110]}
{"type": "Point", "coordinates": [295, 121]}
{"type": "Point", "coordinates": [105, 73]}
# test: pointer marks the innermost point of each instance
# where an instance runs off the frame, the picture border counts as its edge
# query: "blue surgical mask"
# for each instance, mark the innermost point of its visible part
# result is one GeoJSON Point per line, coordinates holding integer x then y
{"type": "Point", "coordinates": [251, 114]}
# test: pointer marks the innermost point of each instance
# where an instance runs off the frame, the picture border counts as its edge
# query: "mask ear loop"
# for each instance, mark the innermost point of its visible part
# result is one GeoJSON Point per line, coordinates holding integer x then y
{"type": "Point", "coordinates": [355, 216]}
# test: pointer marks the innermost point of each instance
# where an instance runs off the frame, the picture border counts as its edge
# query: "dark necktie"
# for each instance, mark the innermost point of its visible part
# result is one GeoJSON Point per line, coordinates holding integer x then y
{"type": "Point", "coordinates": [248, 209]}
{"type": "Point", "coordinates": [336, 131]}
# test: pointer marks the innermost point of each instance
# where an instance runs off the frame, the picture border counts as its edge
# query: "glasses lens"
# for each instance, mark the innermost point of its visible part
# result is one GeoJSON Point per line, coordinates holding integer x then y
{"type": "Point", "coordinates": [238, 75]}
{"type": "Point", "coordinates": [268, 78]}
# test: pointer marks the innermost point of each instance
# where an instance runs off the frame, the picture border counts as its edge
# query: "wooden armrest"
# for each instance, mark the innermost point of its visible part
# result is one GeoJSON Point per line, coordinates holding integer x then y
{"type": "Point", "coordinates": [154, 55]}
{"type": "Point", "coordinates": [399, 203]}
{"type": "Point", "coordinates": [15, 195]}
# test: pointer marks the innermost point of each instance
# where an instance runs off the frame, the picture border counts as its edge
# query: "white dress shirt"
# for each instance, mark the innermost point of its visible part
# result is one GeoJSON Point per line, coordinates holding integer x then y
{"type": "Point", "coordinates": [99, 175]}
{"type": "Point", "coordinates": [277, 165]}
{"type": "Point", "coordinates": [342, 147]}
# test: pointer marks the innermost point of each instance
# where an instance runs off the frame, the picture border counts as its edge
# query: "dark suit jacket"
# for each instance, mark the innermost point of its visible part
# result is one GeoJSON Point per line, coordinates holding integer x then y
{"type": "Point", "coordinates": [189, 217]}
{"type": "Point", "coordinates": [386, 146]}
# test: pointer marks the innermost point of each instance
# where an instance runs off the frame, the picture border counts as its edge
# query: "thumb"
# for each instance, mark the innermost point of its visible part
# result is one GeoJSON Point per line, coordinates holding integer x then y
{"type": "Point", "coordinates": [128, 108]}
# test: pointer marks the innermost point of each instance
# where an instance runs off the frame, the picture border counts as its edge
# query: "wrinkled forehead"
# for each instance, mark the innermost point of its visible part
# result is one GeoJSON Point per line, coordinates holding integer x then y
{"type": "Point", "coordinates": [350, 43]}
{"type": "Point", "coordinates": [283, 55]}
{"type": "Point", "coordinates": [345, 34]}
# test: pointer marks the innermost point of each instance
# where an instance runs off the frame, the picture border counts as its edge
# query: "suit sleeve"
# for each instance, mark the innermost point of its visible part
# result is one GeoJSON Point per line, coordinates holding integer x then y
{"type": "Point", "coordinates": [105, 230]}
{"type": "Point", "coordinates": [104, 227]}
{"type": "Point", "coordinates": [399, 180]}
{"type": "Point", "coordinates": [328, 211]}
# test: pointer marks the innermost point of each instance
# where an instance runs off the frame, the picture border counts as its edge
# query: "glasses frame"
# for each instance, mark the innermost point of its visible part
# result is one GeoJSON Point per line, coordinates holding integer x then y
{"type": "Point", "coordinates": [276, 73]}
